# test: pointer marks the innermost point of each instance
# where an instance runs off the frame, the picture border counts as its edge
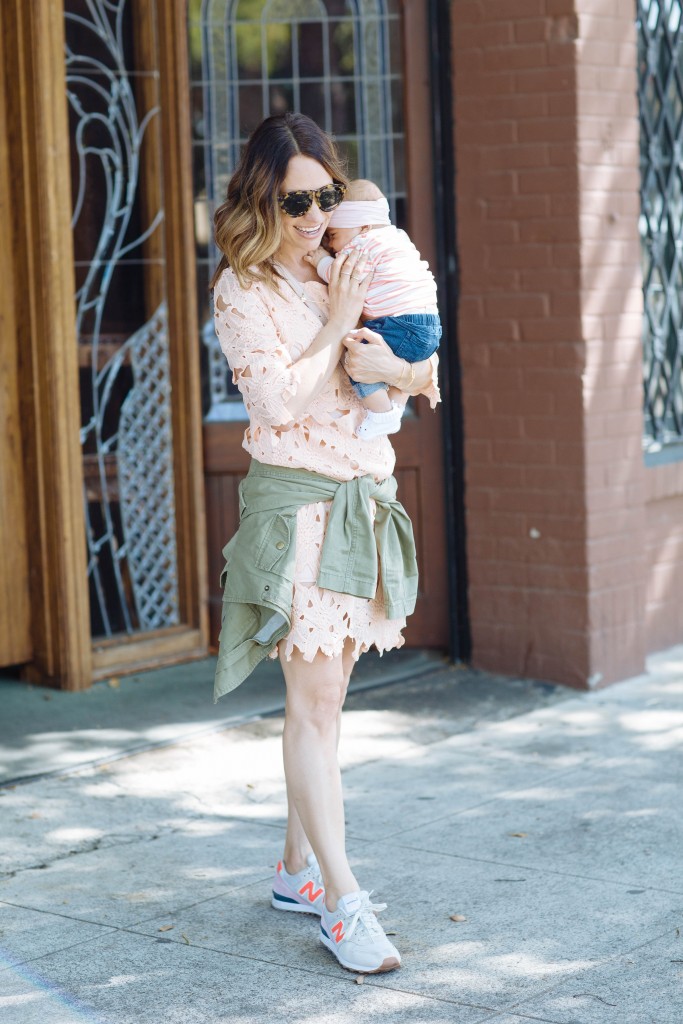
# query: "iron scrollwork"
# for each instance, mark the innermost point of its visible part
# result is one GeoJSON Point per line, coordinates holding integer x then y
{"type": "Point", "coordinates": [126, 433]}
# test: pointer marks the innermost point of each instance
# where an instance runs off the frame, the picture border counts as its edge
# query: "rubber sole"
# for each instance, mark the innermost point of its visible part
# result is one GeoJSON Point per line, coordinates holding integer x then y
{"type": "Point", "coordinates": [390, 964]}
{"type": "Point", "coordinates": [293, 908]}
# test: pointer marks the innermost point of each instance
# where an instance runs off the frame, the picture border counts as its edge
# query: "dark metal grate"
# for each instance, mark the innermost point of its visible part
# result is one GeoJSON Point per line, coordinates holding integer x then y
{"type": "Point", "coordinates": [660, 93]}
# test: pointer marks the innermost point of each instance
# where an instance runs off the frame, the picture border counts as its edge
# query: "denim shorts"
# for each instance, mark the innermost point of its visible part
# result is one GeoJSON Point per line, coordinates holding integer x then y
{"type": "Point", "coordinates": [412, 336]}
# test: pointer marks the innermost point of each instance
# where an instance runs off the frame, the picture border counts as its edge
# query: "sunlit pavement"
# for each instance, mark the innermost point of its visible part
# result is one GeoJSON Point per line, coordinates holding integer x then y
{"type": "Point", "coordinates": [136, 889]}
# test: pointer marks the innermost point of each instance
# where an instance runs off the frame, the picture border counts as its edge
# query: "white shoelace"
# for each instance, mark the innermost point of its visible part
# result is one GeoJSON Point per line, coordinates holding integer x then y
{"type": "Point", "coordinates": [365, 915]}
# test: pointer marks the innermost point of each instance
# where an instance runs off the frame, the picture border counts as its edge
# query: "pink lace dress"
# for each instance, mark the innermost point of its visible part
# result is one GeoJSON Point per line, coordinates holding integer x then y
{"type": "Point", "coordinates": [263, 334]}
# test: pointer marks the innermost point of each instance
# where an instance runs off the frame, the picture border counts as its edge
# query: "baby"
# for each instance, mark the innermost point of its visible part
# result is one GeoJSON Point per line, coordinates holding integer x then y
{"type": "Point", "coordinates": [401, 300]}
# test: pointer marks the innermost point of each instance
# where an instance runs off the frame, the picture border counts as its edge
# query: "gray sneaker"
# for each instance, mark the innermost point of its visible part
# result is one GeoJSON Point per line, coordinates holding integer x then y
{"type": "Point", "coordinates": [303, 892]}
{"type": "Point", "coordinates": [355, 936]}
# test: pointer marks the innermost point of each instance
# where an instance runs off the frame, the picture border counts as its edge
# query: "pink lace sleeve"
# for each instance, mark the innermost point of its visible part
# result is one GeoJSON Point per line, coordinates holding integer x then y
{"type": "Point", "coordinates": [324, 268]}
{"type": "Point", "coordinates": [261, 366]}
{"type": "Point", "coordinates": [432, 391]}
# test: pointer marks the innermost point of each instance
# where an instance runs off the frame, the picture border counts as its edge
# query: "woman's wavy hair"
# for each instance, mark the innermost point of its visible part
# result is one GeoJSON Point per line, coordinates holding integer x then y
{"type": "Point", "coordinates": [247, 226]}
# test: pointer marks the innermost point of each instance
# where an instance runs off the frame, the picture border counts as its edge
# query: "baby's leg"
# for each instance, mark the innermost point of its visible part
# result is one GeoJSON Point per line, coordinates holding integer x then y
{"type": "Point", "coordinates": [398, 397]}
{"type": "Point", "coordinates": [383, 414]}
{"type": "Point", "coordinates": [378, 401]}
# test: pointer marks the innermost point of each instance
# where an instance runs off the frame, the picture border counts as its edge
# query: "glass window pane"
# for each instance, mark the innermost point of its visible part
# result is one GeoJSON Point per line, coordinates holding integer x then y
{"type": "Point", "coordinates": [313, 101]}
{"type": "Point", "coordinates": [342, 56]}
{"type": "Point", "coordinates": [343, 96]}
{"type": "Point", "coordinates": [399, 166]}
{"type": "Point", "coordinates": [395, 40]}
{"type": "Point", "coordinates": [248, 50]}
{"type": "Point", "coordinates": [349, 149]}
{"type": "Point", "coordinates": [311, 53]}
{"type": "Point", "coordinates": [250, 108]}
{"type": "Point", "coordinates": [279, 40]}
{"type": "Point", "coordinates": [397, 116]}
{"type": "Point", "coordinates": [281, 98]}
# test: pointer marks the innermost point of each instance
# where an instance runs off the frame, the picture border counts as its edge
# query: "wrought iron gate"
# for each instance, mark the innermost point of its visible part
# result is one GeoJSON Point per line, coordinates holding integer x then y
{"type": "Point", "coordinates": [660, 84]}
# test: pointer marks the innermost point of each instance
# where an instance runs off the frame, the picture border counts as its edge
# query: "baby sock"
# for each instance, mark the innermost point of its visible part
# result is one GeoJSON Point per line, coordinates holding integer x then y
{"type": "Point", "coordinates": [375, 424]}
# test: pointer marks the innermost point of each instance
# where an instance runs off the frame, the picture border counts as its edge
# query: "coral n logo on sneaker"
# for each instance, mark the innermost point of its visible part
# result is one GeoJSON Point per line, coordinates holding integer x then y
{"type": "Point", "coordinates": [308, 890]}
{"type": "Point", "coordinates": [338, 931]}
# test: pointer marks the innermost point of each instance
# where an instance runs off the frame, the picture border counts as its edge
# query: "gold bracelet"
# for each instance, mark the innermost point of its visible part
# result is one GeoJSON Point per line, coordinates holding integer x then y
{"type": "Point", "coordinates": [399, 382]}
{"type": "Point", "coordinates": [412, 376]}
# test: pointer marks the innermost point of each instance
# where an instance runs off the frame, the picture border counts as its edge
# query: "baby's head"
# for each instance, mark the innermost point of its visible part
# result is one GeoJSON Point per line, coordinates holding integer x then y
{"type": "Point", "coordinates": [364, 207]}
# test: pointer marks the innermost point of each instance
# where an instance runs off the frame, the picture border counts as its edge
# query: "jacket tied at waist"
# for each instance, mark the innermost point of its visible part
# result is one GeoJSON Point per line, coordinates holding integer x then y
{"type": "Point", "coordinates": [258, 578]}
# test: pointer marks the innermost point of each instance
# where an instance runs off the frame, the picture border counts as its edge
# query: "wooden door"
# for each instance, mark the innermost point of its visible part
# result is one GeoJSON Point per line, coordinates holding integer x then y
{"type": "Point", "coordinates": [397, 154]}
{"type": "Point", "coordinates": [101, 90]}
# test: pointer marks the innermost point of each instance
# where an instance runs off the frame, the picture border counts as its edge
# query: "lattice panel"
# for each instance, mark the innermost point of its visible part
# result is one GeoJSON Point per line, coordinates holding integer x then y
{"type": "Point", "coordinates": [145, 465]}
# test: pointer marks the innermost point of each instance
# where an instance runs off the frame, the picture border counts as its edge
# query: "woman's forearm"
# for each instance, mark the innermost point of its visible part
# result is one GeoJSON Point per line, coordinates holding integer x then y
{"type": "Point", "coordinates": [415, 378]}
{"type": "Point", "coordinates": [348, 285]}
{"type": "Point", "coordinates": [369, 360]}
{"type": "Point", "coordinates": [315, 367]}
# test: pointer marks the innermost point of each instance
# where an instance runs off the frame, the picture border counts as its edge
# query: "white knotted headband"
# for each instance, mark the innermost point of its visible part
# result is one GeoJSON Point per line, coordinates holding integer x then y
{"type": "Point", "coordinates": [355, 213]}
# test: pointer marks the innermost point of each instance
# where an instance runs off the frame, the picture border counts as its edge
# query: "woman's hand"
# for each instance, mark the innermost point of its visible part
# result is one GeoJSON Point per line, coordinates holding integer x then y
{"type": "Point", "coordinates": [369, 359]}
{"type": "Point", "coordinates": [350, 278]}
{"type": "Point", "coordinates": [374, 361]}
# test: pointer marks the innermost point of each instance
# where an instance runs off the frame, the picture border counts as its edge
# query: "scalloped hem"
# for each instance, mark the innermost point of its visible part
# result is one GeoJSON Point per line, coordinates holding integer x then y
{"type": "Point", "coordinates": [335, 650]}
{"type": "Point", "coordinates": [322, 620]}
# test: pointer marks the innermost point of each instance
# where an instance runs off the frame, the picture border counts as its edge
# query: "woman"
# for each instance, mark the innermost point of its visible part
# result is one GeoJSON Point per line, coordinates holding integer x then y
{"type": "Point", "coordinates": [309, 501]}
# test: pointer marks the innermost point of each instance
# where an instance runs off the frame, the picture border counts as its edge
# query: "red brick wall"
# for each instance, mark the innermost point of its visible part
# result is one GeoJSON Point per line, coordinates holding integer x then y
{"type": "Point", "coordinates": [547, 163]}
{"type": "Point", "coordinates": [612, 309]}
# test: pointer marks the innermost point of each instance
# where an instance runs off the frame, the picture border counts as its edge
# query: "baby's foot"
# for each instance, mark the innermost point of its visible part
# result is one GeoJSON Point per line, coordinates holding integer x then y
{"type": "Point", "coordinates": [375, 424]}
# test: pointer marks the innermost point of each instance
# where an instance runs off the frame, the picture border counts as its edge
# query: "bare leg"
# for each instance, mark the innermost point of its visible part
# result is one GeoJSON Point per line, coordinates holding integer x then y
{"type": "Point", "coordinates": [378, 401]}
{"type": "Point", "coordinates": [398, 396]}
{"type": "Point", "coordinates": [315, 695]}
{"type": "Point", "coordinates": [297, 846]}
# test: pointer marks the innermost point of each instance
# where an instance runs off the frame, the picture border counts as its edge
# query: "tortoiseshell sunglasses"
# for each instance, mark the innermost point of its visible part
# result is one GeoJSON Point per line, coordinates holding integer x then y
{"type": "Point", "coordinates": [299, 201]}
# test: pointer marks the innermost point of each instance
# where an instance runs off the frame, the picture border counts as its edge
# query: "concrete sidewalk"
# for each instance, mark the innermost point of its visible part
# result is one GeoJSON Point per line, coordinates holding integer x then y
{"type": "Point", "coordinates": [138, 891]}
{"type": "Point", "coordinates": [44, 732]}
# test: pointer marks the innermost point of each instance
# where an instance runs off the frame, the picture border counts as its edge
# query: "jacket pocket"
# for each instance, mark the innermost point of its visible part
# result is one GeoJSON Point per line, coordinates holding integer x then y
{"type": "Point", "coordinates": [275, 544]}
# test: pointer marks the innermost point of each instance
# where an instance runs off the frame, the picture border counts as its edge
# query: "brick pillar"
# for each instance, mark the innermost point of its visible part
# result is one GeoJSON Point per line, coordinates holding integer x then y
{"type": "Point", "coordinates": [547, 175]}
{"type": "Point", "coordinates": [612, 310]}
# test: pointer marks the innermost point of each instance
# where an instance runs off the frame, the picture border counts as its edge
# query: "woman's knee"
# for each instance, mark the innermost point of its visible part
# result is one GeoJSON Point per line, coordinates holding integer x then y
{"type": "Point", "coordinates": [315, 690]}
{"type": "Point", "coordinates": [318, 708]}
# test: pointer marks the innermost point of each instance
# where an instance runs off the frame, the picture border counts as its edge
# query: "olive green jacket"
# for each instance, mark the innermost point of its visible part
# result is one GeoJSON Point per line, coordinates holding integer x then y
{"type": "Point", "coordinates": [258, 578]}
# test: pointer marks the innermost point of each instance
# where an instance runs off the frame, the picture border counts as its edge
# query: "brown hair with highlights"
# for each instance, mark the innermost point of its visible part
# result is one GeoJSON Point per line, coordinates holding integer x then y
{"type": "Point", "coordinates": [247, 226]}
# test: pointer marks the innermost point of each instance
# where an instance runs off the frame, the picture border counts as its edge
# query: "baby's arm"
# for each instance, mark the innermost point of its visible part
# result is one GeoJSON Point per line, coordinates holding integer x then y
{"type": "Point", "coordinates": [322, 261]}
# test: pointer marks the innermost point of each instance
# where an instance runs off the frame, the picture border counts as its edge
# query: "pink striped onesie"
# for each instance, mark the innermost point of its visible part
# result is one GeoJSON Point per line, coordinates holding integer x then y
{"type": "Point", "coordinates": [402, 282]}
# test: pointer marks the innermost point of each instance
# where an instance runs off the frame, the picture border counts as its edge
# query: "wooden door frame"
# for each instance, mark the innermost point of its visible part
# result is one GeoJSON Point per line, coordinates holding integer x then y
{"type": "Point", "coordinates": [64, 654]}
{"type": "Point", "coordinates": [431, 169]}
{"type": "Point", "coordinates": [224, 459]}
{"type": "Point", "coordinates": [33, 59]}
{"type": "Point", "coordinates": [190, 639]}
{"type": "Point", "coordinates": [15, 615]}
{"type": "Point", "coordinates": [429, 516]}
